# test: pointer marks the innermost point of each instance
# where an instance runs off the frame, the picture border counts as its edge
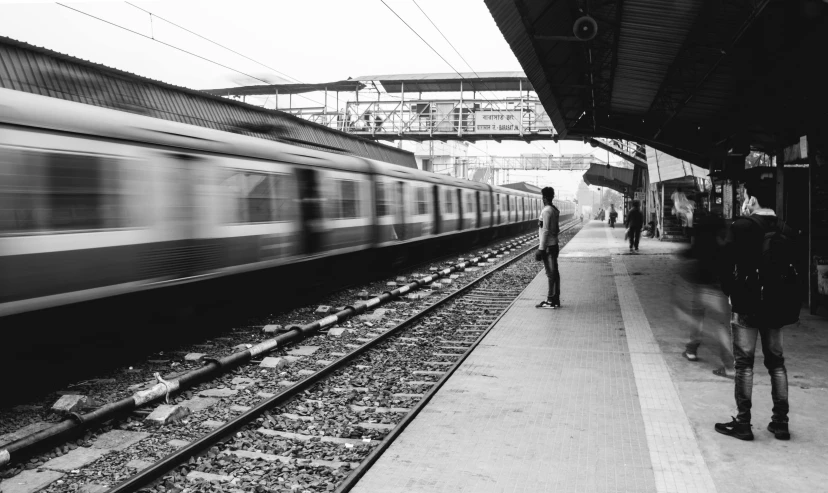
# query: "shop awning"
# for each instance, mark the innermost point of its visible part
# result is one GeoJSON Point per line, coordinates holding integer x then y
{"type": "Point", "coordinates": [601, 175]}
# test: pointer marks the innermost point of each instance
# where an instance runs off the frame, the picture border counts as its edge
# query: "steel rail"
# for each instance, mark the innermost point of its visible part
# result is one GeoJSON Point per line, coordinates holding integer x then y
{"type": "Point", "coordinates": [157, 470]}
{"type": "Point", "coordinates": [78, 423]}
{"type": "Point", "coordinates": [392, 435]}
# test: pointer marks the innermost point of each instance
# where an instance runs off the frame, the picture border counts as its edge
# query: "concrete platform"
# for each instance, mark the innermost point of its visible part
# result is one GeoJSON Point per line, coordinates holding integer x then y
{"type": "Point", "coordinates": [595, 396]}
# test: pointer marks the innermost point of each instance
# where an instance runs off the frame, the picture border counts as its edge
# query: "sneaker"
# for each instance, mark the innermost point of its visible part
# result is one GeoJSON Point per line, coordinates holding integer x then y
{"type": "Point", "coordinates": [545, 304]}
{"type": "Point", "coordinates": [690, 355]}
{"type": "Point", "coordinates": [556, 303]}
{"type": "Point", "coordinates": [735, 429]}
{"type": "Point", "coordinates": [779, 430]}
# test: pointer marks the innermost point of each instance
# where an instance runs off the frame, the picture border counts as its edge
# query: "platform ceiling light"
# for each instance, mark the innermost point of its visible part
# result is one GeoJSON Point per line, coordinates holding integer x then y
{"type": "Point", "coordinates": [585, 28]}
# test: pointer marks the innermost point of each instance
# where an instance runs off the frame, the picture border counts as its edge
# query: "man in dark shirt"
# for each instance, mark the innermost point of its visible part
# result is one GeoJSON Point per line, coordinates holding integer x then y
{"type": "Point", "coordinates": [742, 257]}
{"type": "Point", "coordinates": [634, 221]}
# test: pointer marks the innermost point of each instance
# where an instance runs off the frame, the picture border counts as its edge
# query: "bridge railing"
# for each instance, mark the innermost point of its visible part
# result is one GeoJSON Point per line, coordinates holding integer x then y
{"type": "Point", "coordinates": [457, 117]}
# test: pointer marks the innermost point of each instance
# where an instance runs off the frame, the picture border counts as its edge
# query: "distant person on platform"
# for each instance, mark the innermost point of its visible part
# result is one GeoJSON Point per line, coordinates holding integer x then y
{"type": "Point", "coordinates": [634, 222]}
{"type": "Point", "coordinates": [548, 249]}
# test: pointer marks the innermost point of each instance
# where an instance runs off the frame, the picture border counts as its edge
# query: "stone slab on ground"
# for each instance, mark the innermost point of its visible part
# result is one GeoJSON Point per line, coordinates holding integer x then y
{"type": "Point", "coordinates": [239, 409]}
{"type": "Point", "coordinates": [272, 362]}
{"type": "Point", "coordinates": [336, 332]}
{"type": "Point", "coordinates": [166, 414]}
{"type": "Point", "coordinates": [197, 404]}
{"type": "Point", "coordinates": [194, 356]}
{"type": "Point", "coordinates": [93, 488]}
{"type": "Point", "coordinates": [374, 316]}
{"type": "Point", "coordinates": [246, 454]}
{"type": "Point", "coordinates": [75, 459]}
{"type": "Point", "coordinates": [138, 464]}
{"type": "Point", "coordinates": [119, 439]}
{"type": "Point", "coordinates": [303, 350]}
{"type": "Point", "coordinates": [23, 432]}
{"type": "Point", "coordinates": [206, 476]}
{"type": "Point", "coordinates": [71, 403]}
{"type": "Point", "coordinates": [379, 410]}
{"type": "Point", "coordinates": [272, 329]}
{"type": "Point", "coordinates": [178, 443]}
{"type": "Point", "coordinates": [210, 423]}
{"type": "Point", "coordinates": [218, 393]}
{"type": "Point", "coordinates": [240, 383]}
{"type": "Point", "coordinates": [30, 481]}
{"type": "Point", "coordinates": [304, 438]}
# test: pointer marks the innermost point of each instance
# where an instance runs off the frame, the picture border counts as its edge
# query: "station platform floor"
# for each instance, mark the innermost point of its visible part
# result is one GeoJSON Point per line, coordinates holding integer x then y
{"type": "Point", "coordinates": [596, 397]}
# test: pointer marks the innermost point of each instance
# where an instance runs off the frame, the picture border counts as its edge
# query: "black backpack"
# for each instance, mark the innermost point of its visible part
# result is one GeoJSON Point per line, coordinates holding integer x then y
{"type": "Point", "coordinates": [777, 283]}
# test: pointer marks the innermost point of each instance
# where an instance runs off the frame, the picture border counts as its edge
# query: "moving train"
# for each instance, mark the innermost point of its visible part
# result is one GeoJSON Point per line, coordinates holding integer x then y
{"type": "Point", "coordinates": [97, 202]}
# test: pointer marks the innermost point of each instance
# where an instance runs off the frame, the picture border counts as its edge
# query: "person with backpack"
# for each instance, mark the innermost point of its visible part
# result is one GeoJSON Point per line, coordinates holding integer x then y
{"type": "Point", "coordinates": [760, 278]}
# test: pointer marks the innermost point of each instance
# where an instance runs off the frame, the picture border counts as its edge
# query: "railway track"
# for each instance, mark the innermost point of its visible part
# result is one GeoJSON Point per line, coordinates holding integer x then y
{"type": "Point", "coordinates": [314, 420]}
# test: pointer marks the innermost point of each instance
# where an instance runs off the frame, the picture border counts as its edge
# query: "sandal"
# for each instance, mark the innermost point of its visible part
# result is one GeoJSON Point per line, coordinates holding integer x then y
{"type": "Point", "coordinates": [721, 372]}
{"type": "Point", "coordinates": [690, 356]}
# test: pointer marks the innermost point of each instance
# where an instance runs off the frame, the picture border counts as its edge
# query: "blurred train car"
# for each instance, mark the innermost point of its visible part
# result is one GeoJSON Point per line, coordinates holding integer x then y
{"type": "Point", "coordinates": [96, 203]}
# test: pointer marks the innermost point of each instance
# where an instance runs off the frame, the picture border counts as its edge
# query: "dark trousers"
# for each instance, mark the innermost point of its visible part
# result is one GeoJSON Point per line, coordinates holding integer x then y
{"type": "Point", "coordinates": [744, 346]}
{"type": "Point", "coordinates": [635, 236]}
{"type": "Point", "coordinates": [550, 264]}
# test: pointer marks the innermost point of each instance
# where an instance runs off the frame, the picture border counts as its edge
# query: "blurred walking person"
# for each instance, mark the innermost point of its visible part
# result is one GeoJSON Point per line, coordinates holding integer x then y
{"type": "Point", "coordinates": [548, 249]}
{"type": "Point", "coordinates": [701, 303]}
{"type": "Point", "coordinates": [634, 221]}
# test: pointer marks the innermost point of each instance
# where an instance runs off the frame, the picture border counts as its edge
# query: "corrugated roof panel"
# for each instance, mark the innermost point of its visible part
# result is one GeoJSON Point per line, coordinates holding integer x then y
{"type": "Point", "coordinates": [652, 34]}
{"type": "Point", "coordinates": [24, 67]}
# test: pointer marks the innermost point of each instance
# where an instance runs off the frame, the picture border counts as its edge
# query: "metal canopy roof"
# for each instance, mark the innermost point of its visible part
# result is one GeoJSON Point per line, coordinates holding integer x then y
{"type": "Point", "coordinates": [451, 82]}
{"type": "Point", "coordinates": [286, 88]}
{"type": "Point", "coordinates": [692, 78]}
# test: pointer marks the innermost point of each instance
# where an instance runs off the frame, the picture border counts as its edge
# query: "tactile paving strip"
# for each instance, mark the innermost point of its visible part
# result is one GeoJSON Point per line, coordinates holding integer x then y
{"type": "Point", "coordinates": [677, 460]}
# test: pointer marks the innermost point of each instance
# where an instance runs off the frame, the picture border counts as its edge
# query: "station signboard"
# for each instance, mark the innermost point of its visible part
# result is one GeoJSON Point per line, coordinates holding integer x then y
{"type": "Point", "coordinates": [499, 122]}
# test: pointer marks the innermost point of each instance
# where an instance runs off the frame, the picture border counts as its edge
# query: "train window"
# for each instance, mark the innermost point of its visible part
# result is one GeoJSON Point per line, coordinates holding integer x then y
{"type": "Point", "coordinates": [261, 197]}
{"type": "Point", "coordinates": [422, 204]}
{"type": "Point", "coordinates": [469, 203]}
{"type": "Point", "coordinates": [41, 191]}
{"type": "Point", "coordinates": [449, 202]}
{"type": "Point", "coordinates": [348, 199]}
{"type": "Point", "coordinates": [385, 199]}
{"type": "Point", "coordinates": [484, 203]}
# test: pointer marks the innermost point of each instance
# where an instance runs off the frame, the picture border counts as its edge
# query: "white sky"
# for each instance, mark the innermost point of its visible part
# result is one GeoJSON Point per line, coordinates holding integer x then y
{"type": "Point", "coordinates": [309, 40]}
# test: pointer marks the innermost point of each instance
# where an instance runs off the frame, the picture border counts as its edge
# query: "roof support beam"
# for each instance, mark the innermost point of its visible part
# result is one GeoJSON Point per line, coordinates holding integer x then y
{"type": "Point", "coordinates": [616, 34]}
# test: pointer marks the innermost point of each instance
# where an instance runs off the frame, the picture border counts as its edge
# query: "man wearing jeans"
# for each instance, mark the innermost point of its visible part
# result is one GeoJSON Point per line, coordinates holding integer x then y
{"type": "Point", "coordinates": [548, 229]}
{"type": "Point", "coordinates": [743, 250]}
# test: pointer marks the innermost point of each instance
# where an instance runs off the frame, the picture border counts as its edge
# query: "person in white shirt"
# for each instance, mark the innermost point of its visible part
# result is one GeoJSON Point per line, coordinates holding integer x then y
{"type": "Point", "coordinates": [548, 249]}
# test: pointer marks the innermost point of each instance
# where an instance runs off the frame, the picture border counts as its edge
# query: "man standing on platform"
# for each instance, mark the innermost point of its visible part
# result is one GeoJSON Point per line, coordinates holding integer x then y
{"type": "Point", "coordinates": [548, 249]}
{"type": "Point", "coordinates": [758, 308]}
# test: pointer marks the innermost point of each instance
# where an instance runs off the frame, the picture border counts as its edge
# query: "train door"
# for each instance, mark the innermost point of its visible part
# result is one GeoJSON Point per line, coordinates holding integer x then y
{"type": "Point", "coordinates": [460, 210]}
{"type": "Point", "coordinates": [183, 212]}
{"type": "Point", "coordinates": [435, 200]}
{"type": "Point", "coordinates": [497, 209]}
{"type": "Point", "coordinates": [310, 210]}
{"type": "Point", "coordinates": [401, 211]}
{"type": "Point", "coordinates": [479, 218]}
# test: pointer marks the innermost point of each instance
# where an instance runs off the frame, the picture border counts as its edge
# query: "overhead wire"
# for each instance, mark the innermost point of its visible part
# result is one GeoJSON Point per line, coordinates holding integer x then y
{"type": "Point", "coordinates": [205, 38]}
{"type": "Point", "coordinates": [169, 45]}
